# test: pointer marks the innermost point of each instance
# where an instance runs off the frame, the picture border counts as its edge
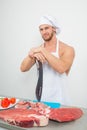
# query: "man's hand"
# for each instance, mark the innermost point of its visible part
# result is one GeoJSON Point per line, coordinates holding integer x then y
{"type": "Point", "coordinates": [37, 53]}
{"type": "Point", "coordinates": [40, 57]}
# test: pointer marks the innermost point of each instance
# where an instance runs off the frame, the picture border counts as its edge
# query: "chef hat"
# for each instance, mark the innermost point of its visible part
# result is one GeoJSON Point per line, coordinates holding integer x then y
{"type": "Point", "coordinates": [47, 19]}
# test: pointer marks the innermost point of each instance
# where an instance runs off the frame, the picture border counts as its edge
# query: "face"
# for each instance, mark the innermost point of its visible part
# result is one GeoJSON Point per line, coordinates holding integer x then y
{"type": "Point", "coordinates": [47, 32]}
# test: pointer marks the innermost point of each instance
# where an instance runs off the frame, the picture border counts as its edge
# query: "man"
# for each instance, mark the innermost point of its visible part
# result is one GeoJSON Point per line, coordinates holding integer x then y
{"type": "Point", "coordinates": [56, 58]}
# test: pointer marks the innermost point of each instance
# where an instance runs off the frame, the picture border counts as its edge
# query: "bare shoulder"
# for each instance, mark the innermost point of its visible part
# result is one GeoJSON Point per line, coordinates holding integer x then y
{"type": "Point", "coordinates": [67, 54]}
{"type": "Point", "coordinates": [65, 48]}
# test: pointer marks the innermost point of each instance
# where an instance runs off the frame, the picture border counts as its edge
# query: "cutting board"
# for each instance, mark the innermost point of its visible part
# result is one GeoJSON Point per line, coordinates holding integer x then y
{"type": "Point", "coordinates": [51, 104]}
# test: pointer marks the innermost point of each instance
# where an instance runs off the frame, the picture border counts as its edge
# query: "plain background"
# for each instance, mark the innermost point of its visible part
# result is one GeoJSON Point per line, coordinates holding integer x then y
{"type": "Point", "coordinates": [19, 32]}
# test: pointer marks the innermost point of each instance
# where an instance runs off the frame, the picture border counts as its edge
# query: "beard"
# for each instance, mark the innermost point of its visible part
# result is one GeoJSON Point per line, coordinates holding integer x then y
{"type": "Point", "coordinates": [48, 37]}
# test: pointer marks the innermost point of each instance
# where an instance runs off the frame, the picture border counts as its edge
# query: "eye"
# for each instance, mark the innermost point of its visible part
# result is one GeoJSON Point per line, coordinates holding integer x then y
{"type": "Point", "coordinates": [41, 29]}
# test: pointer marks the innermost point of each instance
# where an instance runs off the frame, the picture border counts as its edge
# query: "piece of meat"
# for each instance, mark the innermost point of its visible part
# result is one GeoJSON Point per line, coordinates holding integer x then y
{"type": "Point", "coordinates": [23, 117]}
{"type": "Point", "coordinates": [65, 114]}
{"type": "Point", "coordinates": [37, 106]}
{"type": "Point", "coordinates": [40, 107]}
{"type": "Point", "coordinates": [38, 114]}
{"type": "Point", "coordinates": [22, 104]}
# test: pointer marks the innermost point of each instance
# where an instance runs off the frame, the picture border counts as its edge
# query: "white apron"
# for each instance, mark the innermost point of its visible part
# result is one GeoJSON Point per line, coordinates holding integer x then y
{"type": "Point", "coordinates": [54, 84]}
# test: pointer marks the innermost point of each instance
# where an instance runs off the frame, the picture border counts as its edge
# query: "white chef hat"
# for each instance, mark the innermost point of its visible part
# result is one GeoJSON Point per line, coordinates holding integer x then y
{"type": "Point", "coordinates": [47, 19]}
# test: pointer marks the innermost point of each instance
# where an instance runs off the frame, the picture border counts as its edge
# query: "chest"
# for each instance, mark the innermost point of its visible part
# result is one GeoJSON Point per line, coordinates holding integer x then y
{"type": "Point", "coordinates": [56, 50]}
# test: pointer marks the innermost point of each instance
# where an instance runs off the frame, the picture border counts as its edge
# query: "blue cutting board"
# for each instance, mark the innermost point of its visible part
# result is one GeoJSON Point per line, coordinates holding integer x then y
{"type": "Point", "coordinates": [51, 104]}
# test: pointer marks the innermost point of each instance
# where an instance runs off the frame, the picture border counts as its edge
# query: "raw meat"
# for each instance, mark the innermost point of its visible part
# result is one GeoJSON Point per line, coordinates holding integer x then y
{"type": "Point", "coordinates": [22, 104]}
{"type": "Point", "coordinates": [29, 114]}
{"type": "Point", "coordinates": [65, 114]}
{"type": "Point", "coordinates": [23, 117]}
{"type": "Point", "coordinates": [37, 106]}
{"type": "Point", "coordinates": [41, 108]}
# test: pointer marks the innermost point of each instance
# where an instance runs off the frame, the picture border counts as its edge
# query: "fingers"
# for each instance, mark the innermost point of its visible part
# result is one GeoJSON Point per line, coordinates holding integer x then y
{"type": "Point", "coordinates": [40, 57]}
{"type": "Point", "coordinates": [31, 52]}
{"type": "Point", "coordinates": [36, 53]}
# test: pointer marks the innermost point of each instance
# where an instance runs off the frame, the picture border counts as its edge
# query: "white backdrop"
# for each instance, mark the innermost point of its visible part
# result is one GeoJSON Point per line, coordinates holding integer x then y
{"type": "Point", "coordinates": [19, 32]}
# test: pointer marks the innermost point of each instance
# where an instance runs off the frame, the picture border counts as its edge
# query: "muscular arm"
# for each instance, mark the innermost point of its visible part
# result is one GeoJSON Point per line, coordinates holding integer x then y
{"type": "Point", "coordinates": [30, 60]}
{"type": "Point", "coordinates": [27, 63]}
{"type": "Point", "coordinates": [62, 64]}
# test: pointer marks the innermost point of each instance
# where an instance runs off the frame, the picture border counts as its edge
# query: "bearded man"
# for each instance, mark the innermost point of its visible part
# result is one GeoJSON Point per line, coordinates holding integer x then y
{"type": "Point", "coordinates": [55, 58]}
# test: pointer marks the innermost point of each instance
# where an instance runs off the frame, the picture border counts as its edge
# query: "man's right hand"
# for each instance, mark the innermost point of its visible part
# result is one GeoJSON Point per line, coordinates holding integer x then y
{"type": "Point", "coordinates": [35, 53]}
